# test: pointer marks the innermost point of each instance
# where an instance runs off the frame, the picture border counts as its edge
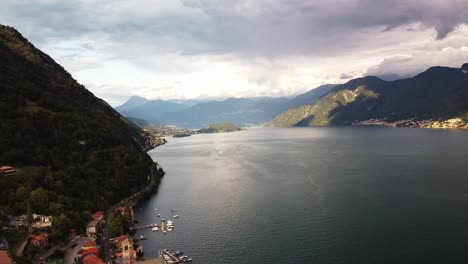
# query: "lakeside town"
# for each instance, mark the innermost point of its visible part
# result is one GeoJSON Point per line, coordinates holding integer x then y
{"type": "Point", "coordinates": [456, 123]}
{"type": "Point", "coordinates": [108, 237]}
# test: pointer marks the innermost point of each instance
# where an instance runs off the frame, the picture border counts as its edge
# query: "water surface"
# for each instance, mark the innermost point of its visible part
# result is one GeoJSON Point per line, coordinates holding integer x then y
{"type": "Point", "coordinates": [314, 195]}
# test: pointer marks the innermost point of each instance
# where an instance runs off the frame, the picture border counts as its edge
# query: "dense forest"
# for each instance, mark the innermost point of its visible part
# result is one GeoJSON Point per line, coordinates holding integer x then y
{"type": "Point", "coordinates": [73, 153]}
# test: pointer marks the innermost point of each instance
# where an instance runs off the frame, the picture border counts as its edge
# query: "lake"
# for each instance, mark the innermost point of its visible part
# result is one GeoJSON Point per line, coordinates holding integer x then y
{"type": "Point", "coordinates": [313, 195]}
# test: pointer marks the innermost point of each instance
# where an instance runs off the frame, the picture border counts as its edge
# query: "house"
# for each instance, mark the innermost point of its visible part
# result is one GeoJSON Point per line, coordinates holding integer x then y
{"type": "Point", "coordinates": [41, 221]}
{"type": "Point", "coordinates": [123, 211]}
{"type": "Point", "coordinates": [40, 241]}
{"type": "Point", "coordinates": [90, 251]}
{"type": "Point", "coordinates": [126, 253]}
{"type": "Point", "coordinates": [98, 216]}
{"type": "Point", "coordinates": [92, 259]}
{"type": "Point", "coordinates": [5, 257]}
{"type": "Point", "coordinates": [93, 228]}
{"type": "Point", "coordinates": [89, 245]}
{"type": "Point", "coordinates": [7, 171]}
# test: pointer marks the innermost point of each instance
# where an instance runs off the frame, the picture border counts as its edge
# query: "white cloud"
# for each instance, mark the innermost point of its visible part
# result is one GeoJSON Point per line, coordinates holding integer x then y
{"type": "Point", "coordinates": [216, 49]}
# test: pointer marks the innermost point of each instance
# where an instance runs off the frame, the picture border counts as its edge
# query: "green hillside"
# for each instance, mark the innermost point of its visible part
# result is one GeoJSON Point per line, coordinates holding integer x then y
{"type": "Point", "coordinates": [72, 151]}
{"type": "Point", "coordinates": [438, 93]}
{"type": "Point", "coordinates": [220, 128]}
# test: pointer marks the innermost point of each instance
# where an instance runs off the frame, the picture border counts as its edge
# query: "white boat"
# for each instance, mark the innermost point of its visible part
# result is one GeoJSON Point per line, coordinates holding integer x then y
{"type": "Point", "coordinates": [155, 228]}
{"type": "Point", "coordinates": [170, 223]}
{"type": "Point", "coordinates": [169, 228]}
{"type": "Point", "coordinates": [159, 215]}
{"type": "Point", "coordinates": [141, 237]}
{"type": "Point", "coordinates": [176, 216]}
{"type": "Point", "coordinates": [164, 232]}
{"type": "Point", "coordinates": [155, 209]}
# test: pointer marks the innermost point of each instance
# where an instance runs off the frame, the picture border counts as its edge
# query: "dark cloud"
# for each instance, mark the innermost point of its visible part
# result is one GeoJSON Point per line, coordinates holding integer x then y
{"type": "Point", "coordinates": [253, 27]}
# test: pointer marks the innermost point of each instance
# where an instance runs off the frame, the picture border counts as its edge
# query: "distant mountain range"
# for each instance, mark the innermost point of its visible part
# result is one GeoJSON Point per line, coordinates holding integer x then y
{"type": "Point", "coordinates": [437, 93]}
{"type": "Point", "coordinates": [197, 114]}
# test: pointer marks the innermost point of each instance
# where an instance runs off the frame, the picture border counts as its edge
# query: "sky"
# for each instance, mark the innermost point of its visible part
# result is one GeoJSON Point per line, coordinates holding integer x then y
{"type": "Point", "coordinates": [214, 49]}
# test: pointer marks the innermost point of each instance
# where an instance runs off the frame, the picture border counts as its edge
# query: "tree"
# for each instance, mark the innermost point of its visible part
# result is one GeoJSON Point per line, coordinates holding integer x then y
{"type": "Point", "coordinates": [60, 226]}
{"type": "Point", "coordinates": [40, 200]}
{"type": "Point", "coordinates": [114, 224]}
{"type": "Point", "coordinates": [29, 211]}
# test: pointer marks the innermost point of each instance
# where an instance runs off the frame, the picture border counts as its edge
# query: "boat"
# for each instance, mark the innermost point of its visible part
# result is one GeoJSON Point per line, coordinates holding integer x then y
{"type": "Point", "coordinates": [155, 209]}
{"type": "Point", "coordinates": [185, 259]}
{"type": "Point", "coordinates": [169, 228]}
{"type": "Point", "coordinates": [164, 232]}
{"type": "Point", "coordinates": [141, 237]}
{"type": "Point", "coordinates": [176, 216]}
{"type": "Point", "coordinates": [159, 215]}
{"type": "Point", "coordinates": [155, 228]}
{"type": "Point", "coordinates": [170, 223]}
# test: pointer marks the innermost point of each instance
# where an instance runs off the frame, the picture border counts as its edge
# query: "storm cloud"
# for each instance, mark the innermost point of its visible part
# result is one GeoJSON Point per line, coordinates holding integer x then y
{"type": "Point", "coordinates": [212, 48]}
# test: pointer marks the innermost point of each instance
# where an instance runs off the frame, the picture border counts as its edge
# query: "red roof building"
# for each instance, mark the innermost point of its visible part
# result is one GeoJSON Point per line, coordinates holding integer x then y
{"type": "Point", "coordinates": [98, 216]}
{"type": "Point", "coordinates": [40, 241]}
{"type": "Point", "coordinates": [92, 259]}
{"type": "Point", "coordinates": [5, 257]}
{"type": "Point", "coordinates": [7, 171]}
{"type": "Point", "coordinates": [90, 251]}
{"type": "Point", "coordinates": [89, 244]}
{"type": "Point", "coordinates": [122, 210]}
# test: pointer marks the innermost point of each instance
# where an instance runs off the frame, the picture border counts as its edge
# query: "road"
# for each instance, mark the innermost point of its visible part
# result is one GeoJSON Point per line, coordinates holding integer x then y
{"type": "Point", "coordinates": [70, 253]}
{"type": "Point", "coordinates": [106, 244]}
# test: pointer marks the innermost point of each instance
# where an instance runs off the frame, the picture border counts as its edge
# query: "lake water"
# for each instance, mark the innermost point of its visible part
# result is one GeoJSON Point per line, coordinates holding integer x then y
{"type": "Point", "coordinates": [314, 195]}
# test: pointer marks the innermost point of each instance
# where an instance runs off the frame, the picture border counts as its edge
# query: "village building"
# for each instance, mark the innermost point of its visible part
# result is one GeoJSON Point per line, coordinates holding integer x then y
{"type": "Point", "coordinates": [126, 254]}
{"type": "Point", "coordinates": [88, 245]}
{"type": "Point", "coordinates": [98, 216]}
{"type": "Point", "coordinates": [7, 171]}
{"type": "Point", "coordinates": [40, 241]}
{"type": "Point", "coordinates": [92, 259]}
{"type": "Point", "coordinates": [93, 228]}
{"type": "Point", "coordinates": [41, 221]}
{"type": "Point", "coordinates": [123, 211]}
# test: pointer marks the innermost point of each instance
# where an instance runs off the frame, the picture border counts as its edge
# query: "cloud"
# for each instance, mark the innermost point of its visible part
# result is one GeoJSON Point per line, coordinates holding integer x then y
{"type": "Point", "coordinates": [211, 48]}
{"type": "Point", "coordinates": [452, 52]}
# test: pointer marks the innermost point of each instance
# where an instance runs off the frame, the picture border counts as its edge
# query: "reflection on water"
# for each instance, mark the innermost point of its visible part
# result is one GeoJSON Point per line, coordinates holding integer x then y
{"type": "Point", "coordinates": [314, 195]}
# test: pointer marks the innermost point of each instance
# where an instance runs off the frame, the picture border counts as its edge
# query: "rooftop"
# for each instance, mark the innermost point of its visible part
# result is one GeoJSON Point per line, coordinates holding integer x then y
{"type": "Point", "coordinates": [92, 259]}
{"type": "Point", "coordinates": [5, 257]}
{"type": "Point", "coordinates": [93, 223]}
{"type": "Point", "coordinates": [40, 236]}
{"type": "Point", "coordinates": [98, 215]}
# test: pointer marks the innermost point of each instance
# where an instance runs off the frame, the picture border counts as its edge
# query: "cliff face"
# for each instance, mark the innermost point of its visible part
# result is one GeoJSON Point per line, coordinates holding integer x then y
{"type": "Point", "coordinates": [69, 147]}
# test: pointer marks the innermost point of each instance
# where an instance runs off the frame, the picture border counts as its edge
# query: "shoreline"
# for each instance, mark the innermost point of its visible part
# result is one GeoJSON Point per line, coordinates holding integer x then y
{"type": "Point", "coordinates": [156, 174]}
{"type": "Point", "coordinates": [454, 123]}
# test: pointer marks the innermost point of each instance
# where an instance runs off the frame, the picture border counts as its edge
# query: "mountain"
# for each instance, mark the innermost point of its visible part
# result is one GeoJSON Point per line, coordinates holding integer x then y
{"type": "Point", "coordinates": [196, 114]}
{"type": "Point", "coordinates": [154, 111]}
{"type": "Point", "coordinates": [311, 96]}
{"type": "Point", "coordinates": [133, 102]}
{"type": "Point", "coordinates": [437, 93]}
{"type": "Point", "coordinates": [73, 153]}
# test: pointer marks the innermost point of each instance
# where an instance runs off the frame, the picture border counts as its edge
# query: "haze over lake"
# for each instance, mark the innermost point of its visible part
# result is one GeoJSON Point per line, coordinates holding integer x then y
{"type": "Point", "coordinates": [313, 195]}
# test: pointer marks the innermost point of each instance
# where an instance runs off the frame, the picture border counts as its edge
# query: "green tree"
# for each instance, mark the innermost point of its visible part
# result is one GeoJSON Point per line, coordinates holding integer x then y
{"type": "Point", "coordinates": [40, 200]}
{"type": "Point", "coordinates": [60, 226]}
{"type": "Point", "coordinates": [114, 224]}
{"type": "Point", "coordinates": [29, 211]}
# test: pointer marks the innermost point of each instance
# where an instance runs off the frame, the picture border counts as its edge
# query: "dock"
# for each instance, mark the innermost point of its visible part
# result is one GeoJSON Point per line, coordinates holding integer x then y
{"type": "Point", "coordinates": [158, 260]}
